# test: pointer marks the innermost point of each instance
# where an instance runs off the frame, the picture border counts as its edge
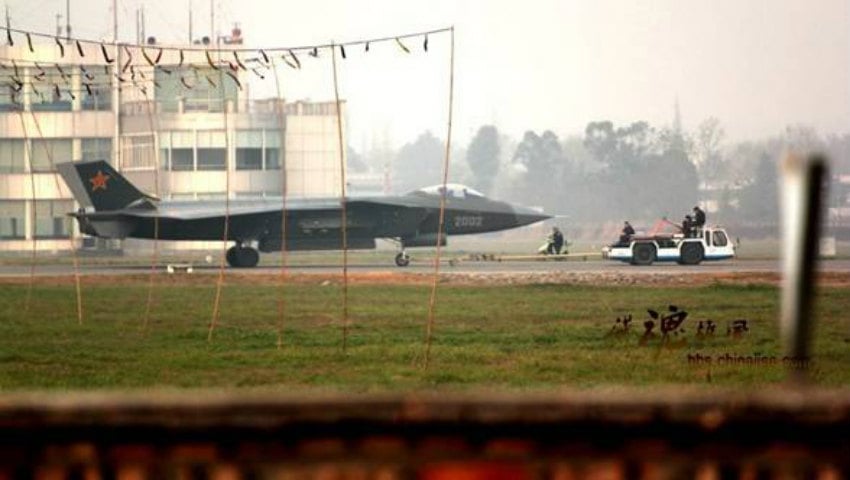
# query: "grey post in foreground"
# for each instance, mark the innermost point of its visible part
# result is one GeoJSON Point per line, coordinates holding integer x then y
{"type": "Point", "coordinates": [802, 198]}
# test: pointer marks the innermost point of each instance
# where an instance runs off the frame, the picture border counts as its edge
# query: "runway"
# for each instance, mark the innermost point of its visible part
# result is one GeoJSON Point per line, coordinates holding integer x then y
{"type": "Point", "coordinates": [422, 267]}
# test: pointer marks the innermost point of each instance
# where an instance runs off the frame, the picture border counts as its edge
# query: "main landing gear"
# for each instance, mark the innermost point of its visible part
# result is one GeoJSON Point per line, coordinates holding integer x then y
{"type": "Point", "coordinates": [240, 256]}
{"type": "Point", "coordinates": [402, 259]}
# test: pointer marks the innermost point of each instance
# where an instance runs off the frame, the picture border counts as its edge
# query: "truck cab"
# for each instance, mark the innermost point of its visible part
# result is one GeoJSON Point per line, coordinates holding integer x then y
{"type": "Point", "coordinates": [707, 244]}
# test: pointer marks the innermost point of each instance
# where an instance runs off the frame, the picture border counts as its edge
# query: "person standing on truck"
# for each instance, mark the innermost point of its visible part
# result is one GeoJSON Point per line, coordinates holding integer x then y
{"type": "Point", "coordinates": [699, 219]}
{"type": "Point", "coordinates": [627, 233]}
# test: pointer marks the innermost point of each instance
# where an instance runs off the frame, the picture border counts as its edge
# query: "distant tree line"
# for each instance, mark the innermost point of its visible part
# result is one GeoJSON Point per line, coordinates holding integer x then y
{"type": "Point", "coordinates": [613, 172]}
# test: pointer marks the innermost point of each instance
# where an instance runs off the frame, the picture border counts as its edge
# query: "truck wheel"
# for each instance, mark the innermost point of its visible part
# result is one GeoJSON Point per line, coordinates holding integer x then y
{"type": "Point", "coordinates": [643, 254]}
{"type": "Point", "coordinates": [691, 254]}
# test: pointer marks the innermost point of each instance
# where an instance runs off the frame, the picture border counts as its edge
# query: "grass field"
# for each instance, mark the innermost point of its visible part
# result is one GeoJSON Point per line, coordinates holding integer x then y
{"type": "Point", "coordinates": [534, 337]}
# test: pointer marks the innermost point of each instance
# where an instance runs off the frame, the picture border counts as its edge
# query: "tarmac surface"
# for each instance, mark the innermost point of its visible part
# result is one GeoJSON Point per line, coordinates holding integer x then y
{"type": "Point", "coordinates": [422, 267]}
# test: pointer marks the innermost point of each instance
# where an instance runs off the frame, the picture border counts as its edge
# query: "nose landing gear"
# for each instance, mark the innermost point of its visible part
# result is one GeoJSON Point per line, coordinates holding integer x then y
{"type": "Point", "coordinates": [240, 256]}
{"type": "Point", "coordinates": [402, 259]}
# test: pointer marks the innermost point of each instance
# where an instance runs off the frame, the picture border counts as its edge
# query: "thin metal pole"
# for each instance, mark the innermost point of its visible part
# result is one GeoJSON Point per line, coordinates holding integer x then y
{"type": "Point", "coordinates": [212, 22]}
{"type": "Point", "coordinates": [433, 301]}
{"type": "Point", "coordinates": [342, 204]}
{"type": "Point", "coordinates": [225, 235]}
{"type": "Point", "coordinates": [74, 256]}
{"type": "Point", "coordinates": [281, 119]}
{"type": "Point", "coordinates": [190, 21]}
{"type": "Point", "coordinates": [114, 21]}
{"type": "Point", "coordinates": [68, 21]}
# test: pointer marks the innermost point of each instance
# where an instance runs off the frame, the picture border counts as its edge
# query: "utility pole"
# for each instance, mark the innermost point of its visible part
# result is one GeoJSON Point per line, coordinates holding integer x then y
{"type": "Point", "coordinates": [68, 21]}
{"type": "Point", "coordinates": [212, 22]}
{"type": "Point", "coordinates": [190, 22]}
{"type": "Point", "coordinates": [143, 37]}
{"type": "Point", "coordinates": [115, 21]}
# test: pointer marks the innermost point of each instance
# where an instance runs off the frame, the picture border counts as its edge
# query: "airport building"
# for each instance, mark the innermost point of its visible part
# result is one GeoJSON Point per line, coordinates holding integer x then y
{"type": "Point", "coordinates": [177, 132]}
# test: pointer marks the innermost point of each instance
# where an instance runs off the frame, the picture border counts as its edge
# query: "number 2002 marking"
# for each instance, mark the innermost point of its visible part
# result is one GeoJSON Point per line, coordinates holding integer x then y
{"type": "Point", "coordinates": [468, 221]}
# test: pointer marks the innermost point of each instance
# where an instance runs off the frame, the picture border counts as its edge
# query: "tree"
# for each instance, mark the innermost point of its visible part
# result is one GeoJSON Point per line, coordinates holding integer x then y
{"type": "Point", "coordinates": [418, 164]}
{"type": "Point", "coordinates": [708, 156]}
{"type": "Point", "coordinates": [542, 161]}
{"type": "Point", "coordinates": [356, 163]}
{"type": "Point", "coordinates": [483, 158]}
{"type": "Point", "coordinates": [759, 201]}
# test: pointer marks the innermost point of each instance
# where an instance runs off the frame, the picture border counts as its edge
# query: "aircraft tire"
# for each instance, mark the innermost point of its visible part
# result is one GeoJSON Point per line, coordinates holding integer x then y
{"type": "Point", "coordinates": [242, 257]}
{"type": "Point", "coordinates": [230, 256]}
{"type": "Point", "coordinates": [402, 260]}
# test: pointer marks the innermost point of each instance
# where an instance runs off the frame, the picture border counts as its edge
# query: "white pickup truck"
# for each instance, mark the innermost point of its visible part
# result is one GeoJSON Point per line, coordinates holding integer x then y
{"type": "Point", "coordinates": [710, 243]}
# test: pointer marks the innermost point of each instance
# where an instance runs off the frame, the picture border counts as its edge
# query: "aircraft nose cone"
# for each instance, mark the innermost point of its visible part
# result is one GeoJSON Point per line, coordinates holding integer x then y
{"type": "Point", "coordinates": [527, 216]}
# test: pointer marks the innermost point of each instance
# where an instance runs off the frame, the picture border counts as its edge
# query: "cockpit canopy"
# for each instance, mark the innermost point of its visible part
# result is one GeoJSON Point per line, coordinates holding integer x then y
{"type": "Point", "coordinates": [454, 190]}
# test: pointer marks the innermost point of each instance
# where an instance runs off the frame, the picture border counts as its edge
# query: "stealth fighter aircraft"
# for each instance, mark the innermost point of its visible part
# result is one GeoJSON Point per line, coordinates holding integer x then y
{"type": "Point", "coordinates": [111, 207]}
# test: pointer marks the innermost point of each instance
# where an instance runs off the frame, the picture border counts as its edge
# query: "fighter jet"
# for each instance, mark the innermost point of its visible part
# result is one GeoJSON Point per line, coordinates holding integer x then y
{"type": "Point", "coordinates": [112, 207]}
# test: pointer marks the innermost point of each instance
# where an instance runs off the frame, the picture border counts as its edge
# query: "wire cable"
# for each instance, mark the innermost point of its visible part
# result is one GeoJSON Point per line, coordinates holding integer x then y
{"type": "Point", "coordinates": [189, 48]}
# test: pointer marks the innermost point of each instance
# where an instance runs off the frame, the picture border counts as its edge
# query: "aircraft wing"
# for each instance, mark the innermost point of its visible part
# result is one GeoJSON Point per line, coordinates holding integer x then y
{"type": "Point", "coordinates": [308, 214]}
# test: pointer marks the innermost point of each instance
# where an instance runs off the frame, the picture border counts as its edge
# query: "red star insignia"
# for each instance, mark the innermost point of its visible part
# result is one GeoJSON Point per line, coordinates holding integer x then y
{"type": "Point", "coordinates": [98, 182]}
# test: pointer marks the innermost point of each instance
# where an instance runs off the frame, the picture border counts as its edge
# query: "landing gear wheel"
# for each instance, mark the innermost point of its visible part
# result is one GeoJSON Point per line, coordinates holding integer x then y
{"type": "Point", "coordinates": [402, 259]}
{"type": "Point", "coordinates": [691, 254]}
{"type": "Point", "coordinates": [643, 254]}
{"type": "Point", "coordinates": [242, 257]}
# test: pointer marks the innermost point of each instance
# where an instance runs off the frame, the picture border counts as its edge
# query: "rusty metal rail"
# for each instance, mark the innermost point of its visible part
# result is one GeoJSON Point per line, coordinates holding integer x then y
{"type": "Point", "coordinates": [619, 435]}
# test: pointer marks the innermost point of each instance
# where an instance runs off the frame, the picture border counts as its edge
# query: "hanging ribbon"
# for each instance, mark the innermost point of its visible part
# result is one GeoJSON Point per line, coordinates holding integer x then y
{"type": "Point", "coordinates": [294, 58]}
{"type": "Point", "coordinates": [105, 54]}
{"type": "Point", "coordinates": [61, 48]}
{"type": "Point", "coordinates": [402, 46]}
{"type": "Point", "coordinates": [233, 76]}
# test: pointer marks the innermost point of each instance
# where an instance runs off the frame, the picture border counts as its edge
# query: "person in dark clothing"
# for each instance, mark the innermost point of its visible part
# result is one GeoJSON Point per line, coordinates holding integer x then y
{"type": "Point", "coordinates": [556, 241]}
{"type": "Point", "coordinates": [699, 218]}
{"type": "Point", "coordinates": [688, 226]}
{"type": "Point", "coordinates": [627, 233]}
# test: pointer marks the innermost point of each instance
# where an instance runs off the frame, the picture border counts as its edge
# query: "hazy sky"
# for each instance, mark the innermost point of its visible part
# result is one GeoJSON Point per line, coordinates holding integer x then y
{"type": "Point", "coordinates": [757, 65]}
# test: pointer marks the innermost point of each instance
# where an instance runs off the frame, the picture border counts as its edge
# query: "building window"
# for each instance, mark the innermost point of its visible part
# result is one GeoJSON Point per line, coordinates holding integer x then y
{"type": "Point", "coordinates": [98, 94]}
{"type": "Point", "coordinates": [211, 195]}
{"type": "Point", "coordinates": [273, 153]}
{"type": "Point", "coordinates": [182, 196]}
{"type": "Point", "coordinates": [210, 89]}
{"type": "Point", "coordinates": [138, 151]}
{"type": "Point", "coordinates": [52, 92]}
{"type": "Point", "coordinates": [248, 194]}
{"type": "Point", "coordinates": [182, 156]}
{"type": "Point", "coordinates": [10, 98]}
{"type": "Point", "coordinates": [97, 149]}
{"type": "Point", "coordinates": [165, 150]}
{"type": "Point", "coordinates": [212, 154]}
{"type": "Point", "coordinates": [12, 156]}
{"type": "Point", "coordinates": [181, 159]}
{"type": "Point", "coordinates": [249, 150]}
{"type": "Point", "coordinates": [46, 153]}
{"type": "Point", "coordinates": [12, 218]}
{"type": "Point", "coordinates": [52, 220]}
